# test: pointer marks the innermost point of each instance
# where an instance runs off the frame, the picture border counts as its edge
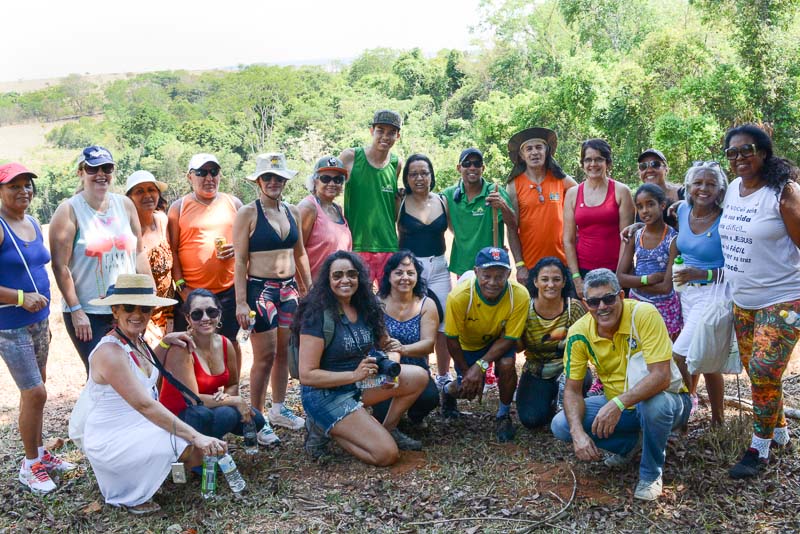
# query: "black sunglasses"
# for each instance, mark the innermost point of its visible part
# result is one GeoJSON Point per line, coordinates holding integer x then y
{"type": "Point", "coordinates": [203, 172]}
{"type": "Point", "coordinates": [746, 151]}
{"type": "Point", "coordinates": [352, 274]}
{"type": "Point", "coordinates": [130, 308]}
{"type": "Point", "coordinates": [472, 163]}
{"type": "Point", "coordinates": [608, 300]}
{"type": "Point", "coordinates": [656, 164]}
{"type": "Point", "coordinates": [325, 179]}
{"type": "Point", "coordinates": [197, 314]}
{"type": "Point", "coordinates": [107, 168]}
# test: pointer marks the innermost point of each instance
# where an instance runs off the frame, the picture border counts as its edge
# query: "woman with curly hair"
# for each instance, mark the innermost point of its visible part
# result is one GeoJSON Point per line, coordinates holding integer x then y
{"type": "Point", "coordinates": [333, 363]}
{"type": "Point", "coordinates": [760, 231]}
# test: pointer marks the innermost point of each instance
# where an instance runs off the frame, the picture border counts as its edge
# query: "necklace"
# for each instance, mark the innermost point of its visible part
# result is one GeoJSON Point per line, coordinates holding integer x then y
{"type": "Point", "coordinates": [704, 217]}
{"type": "Point", "coordinates": [204, 202]}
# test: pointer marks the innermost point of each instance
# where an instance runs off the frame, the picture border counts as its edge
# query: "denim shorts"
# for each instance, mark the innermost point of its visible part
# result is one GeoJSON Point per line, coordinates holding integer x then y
{"type": "Point", "coordinates": [25, 351]}
{"type": "Point", "coordinates": [328, 406]}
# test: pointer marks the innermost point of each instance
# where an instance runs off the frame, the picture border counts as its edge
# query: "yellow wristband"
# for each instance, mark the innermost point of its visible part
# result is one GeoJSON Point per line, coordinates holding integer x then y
{"type": "Point", "coordinates": [163, 345]}
{"type": "Point", "coordinates": [20, 297]}
{"type": "Point", "coordinates": [179, 283]}
{"type": "Point", "coordinates": [520, 263]}
{"type": "Point", "coordinates": [643, 280]}
{"type": "Point", "coordinates": [710, 275]}
{"type": "Point", "coordinates": [619, 404]}
{"type": "Point", "coordinates": [576, 275]}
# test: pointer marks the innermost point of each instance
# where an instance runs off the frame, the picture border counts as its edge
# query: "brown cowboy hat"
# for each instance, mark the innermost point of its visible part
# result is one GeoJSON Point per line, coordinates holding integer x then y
{"type": "Point", "coordinates": [519, 138]}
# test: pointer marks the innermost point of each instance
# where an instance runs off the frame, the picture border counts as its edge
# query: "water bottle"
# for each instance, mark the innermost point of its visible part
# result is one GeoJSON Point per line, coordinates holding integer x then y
{"type": "Point", "coordinates": [250, 441]}
{"type": "Point", "coordinates": [208, 484]}
{"type": "Point", "coordinates": [376, 382]}
{"type": "Point", "coordinates": [790, 317]}
{"type": "Point", "coordinates": [677, 267]}
{"type": "Point", "coordinates": [232, 475]}
{"type": "Point", "coordinates": [244, 333]}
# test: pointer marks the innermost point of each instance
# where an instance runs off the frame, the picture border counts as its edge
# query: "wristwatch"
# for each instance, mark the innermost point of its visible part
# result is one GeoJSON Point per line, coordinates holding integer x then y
{"type": "Point", "coordinates": [483, 364]}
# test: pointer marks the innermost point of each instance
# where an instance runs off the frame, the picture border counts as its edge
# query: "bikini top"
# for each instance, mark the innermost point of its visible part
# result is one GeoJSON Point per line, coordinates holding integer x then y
{"type": "Point", "coordinates": [265, 237]}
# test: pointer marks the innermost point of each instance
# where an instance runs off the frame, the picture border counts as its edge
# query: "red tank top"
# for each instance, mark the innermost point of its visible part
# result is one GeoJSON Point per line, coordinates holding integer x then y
{"type": "Point", "coordinates": [207, 384]}
{"type": "Point", "coordinates": [598, 231]}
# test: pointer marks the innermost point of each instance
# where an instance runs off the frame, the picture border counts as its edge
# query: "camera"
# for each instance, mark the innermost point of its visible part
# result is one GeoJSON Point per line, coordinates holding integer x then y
{"type": "Point", "coordinates": [386, 366]}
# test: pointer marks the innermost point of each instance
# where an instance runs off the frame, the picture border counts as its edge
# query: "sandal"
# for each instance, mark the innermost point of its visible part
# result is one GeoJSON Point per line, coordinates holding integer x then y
{"type": "Point", "coordinates": [149, 507]}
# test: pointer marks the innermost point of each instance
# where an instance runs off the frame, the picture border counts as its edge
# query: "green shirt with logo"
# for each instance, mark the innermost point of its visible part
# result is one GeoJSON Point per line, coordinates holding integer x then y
{"type": "Point", "coordinates": [369, 204]}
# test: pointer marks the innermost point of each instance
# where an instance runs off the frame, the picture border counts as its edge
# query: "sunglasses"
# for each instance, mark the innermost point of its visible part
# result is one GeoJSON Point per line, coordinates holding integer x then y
{"type": "Point", "coordinates": [273, 177]}
{"type": "Point", "coordinates": [107, 168]}
{"type": "Point", "coordinates": [472, 163]}
{"type": "Point", "coordinates": [338, 180]}
{"type": "Point", "coordinates": [197, 314]}
{"type": "Point", "coordinates": [352, 274]}
{"type": "Point", "coordinates": [202, 173]}
{"type": "Point", "coordinates": [541, 195]}
{"type": "Point", "coordinates": [130, 308]}
{"type": "Point", "coordinates": [608, 300]}
{"type": "Point", "coordinates": [746, 151]}
{"type": "Point", "coordinates": [655, 164]}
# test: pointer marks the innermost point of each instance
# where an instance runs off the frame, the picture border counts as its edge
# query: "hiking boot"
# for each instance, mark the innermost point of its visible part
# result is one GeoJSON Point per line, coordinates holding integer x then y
{"type": "Point", "coordinates": [449, 405]}
{"type": "Point", "coordinates": [749, 466]}
{"type": "Point", "coordinates": [619, 460]}
{"type": "Point", "coordinates": [54, 464]}
{"type": "Point", "coordinates": [36, 478]}
{"type": "Point", "coordinates": [266, 437]}
{"type": "Point", "coordinates": [648, 491]}
{"type": "Point", "coordinates": [504, 428]}
{"type": "Point", "coordinates": [404, 442]}
{"type": "Point", "coordinates": [285, 418]}
{"type": "Point", "coordinates": [316, 442]}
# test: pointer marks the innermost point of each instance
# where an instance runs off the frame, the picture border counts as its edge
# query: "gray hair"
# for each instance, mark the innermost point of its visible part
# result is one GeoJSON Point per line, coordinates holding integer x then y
{"type": "Point", "coordinates": [311, 182]}
{"type": "Point", "coordinates": [713, 168]}
{"type": "Point", "coordinates": [601, 277]}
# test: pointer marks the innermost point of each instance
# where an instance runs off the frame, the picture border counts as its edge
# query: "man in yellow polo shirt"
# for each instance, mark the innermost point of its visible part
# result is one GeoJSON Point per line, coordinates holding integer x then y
{"type": "Point", "coordinates": [484, 317]}
{"type": "Point", "coordinates": [624, 418]}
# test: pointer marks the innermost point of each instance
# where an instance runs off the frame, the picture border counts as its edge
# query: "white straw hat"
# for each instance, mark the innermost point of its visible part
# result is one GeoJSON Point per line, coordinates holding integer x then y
{"type": "Point", "coordinates": [133, 289]}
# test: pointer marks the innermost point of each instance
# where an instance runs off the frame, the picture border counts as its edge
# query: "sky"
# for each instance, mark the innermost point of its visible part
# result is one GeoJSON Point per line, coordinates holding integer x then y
{"type": "Point", "coordinates": [60, 37]}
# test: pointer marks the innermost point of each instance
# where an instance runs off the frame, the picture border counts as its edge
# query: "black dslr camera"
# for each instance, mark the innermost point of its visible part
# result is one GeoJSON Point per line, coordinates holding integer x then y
{"type": "Point", "coordinates": [386, 366]}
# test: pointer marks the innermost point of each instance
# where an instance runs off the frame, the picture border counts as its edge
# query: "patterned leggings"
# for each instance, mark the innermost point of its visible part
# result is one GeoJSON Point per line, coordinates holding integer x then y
{"type": "Point", "coordinates": [765, 345]}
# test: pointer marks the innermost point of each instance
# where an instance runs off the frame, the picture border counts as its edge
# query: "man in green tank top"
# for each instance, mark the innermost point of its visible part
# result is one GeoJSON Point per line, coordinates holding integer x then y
{"type": "Point", "coordinates": [371, 194]}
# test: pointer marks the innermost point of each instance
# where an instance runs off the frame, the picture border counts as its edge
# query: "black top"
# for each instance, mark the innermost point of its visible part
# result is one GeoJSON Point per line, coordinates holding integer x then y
{"type": "Point", "coordinates": [422, 239]}
{"type": "Point", "coordinates": [342, 354]}
{"type": "Point", "coordinates": [266, 238]}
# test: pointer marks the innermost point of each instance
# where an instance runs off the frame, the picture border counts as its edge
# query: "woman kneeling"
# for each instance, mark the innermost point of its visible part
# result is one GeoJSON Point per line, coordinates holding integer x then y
{"type": "Point", "coordinates": [342, 308]}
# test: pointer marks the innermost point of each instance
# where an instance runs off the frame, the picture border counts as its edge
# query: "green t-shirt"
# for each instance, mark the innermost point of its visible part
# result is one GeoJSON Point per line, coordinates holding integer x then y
{"type": "Point", "coordinates": [369, 200]}
{"type": "Point", "coordinates": [472, 225]}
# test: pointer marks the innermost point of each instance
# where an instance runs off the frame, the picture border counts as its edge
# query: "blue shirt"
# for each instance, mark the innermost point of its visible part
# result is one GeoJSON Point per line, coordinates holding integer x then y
{"type": "Point", "coordinates": [14, 275]}
{"type": "Point", "coordinates": [703, 251]}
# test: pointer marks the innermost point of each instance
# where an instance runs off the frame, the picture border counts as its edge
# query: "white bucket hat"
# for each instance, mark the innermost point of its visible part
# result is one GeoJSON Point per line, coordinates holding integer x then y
{"type": "Point", "coordinates": [272, 163]}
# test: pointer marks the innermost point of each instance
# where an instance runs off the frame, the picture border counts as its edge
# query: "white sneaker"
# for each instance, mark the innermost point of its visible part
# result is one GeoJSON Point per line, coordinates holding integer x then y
{"type": "Point", "coordinates": [55, 464]}
{"type": "Point", "coordinates": [266, 437]}
{"type": "Point", "coordinates": [442, 380]}
{"type": "Point", "coordinates": [286, 418]}
{"type": "Point", "coordinates": [36, 478]}
{"type": "Point", "coordinates": [648, 491]}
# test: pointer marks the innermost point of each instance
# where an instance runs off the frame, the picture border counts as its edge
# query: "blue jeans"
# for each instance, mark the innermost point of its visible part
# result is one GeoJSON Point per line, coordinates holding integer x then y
{"type": "Point", "coordinates": [100, 323]}
{"type": "Point", "coordinates": [654, 418]}
{"type": "Point", "coordinates": [218, 421]}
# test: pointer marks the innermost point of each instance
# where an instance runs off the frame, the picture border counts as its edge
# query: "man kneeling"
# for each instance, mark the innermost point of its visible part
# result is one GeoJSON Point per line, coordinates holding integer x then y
{"type": "Point", "coordinates": [626, 418]}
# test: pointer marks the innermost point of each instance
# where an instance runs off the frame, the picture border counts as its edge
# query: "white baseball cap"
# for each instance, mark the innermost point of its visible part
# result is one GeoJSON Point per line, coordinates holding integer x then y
{"type": "Point", "coordinates": [198, 160]}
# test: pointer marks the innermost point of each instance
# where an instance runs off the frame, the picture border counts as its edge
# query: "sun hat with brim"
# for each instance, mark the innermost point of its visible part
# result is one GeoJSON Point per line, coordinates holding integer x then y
{"type": "Point", "coordinates": [9, 171]}
{"type": "Point", "coordinates": [135, 289]}
{"type": "Point", "coordinates": [143, 177]}
{"type": "Point", "coordinates": [272, 163]}
{"type": "Point", "coordinates": [519, 138]}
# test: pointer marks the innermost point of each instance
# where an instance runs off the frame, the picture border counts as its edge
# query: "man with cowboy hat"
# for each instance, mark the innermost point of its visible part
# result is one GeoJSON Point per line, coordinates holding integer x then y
{"type": "Point", "coordinates": [536, 187]}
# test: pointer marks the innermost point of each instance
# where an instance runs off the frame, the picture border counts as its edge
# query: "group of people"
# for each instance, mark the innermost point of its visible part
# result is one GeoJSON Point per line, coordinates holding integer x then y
{"type": "Point", "coordinates": [364, 294]}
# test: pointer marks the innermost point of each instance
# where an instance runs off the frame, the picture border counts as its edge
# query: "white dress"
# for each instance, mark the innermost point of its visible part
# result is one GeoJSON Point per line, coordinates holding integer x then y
{"type": "Point", "coordinates": [130, 456]}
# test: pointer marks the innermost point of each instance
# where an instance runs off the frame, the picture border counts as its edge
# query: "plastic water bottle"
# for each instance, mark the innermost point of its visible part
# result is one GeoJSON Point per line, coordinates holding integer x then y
{"type": "Point", "coordinates": [244, 333]}
{"type": "Point", "coordinates": [677, 267]}
{"type": "Point", "coordinates": [232, 475]}
{"type": "Point", "coordinates": [208, 484]}
{"type": "Point", "coordinates": [250, 440]}
{"type": "Point", "coordinates": [376, 382]}
{"type": "Point", "coordinates": [790, 317]}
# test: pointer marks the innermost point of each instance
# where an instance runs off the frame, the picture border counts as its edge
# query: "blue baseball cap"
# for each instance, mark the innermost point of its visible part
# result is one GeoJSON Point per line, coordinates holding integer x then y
{"type": "Point", "coordinates": [492, 257]}
{"type": "Point", "coordinates": [95, 155]}
{"type": "Point", "coordinates": [467, 152]}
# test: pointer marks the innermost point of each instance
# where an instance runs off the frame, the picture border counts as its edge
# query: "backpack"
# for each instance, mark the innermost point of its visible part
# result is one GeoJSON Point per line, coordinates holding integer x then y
{"type": "Point", "coordinates": [293, 351]}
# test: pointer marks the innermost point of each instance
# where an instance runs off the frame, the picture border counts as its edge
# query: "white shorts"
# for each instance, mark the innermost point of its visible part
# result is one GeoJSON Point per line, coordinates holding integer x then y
{"type": "Point", "coordinates": [437, 278]}
{"type": "Point", "coordinates": [693, 303]}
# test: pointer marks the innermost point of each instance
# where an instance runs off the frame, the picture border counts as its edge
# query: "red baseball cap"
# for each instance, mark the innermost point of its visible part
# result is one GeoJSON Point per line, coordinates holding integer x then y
{"type": "Point", "coordinates": [9, 171]}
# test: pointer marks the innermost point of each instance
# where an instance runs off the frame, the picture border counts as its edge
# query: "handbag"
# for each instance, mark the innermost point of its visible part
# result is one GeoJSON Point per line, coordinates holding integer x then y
{"type": "Point", "coordinates": [713, 348]}
{"type": "Point", "coordinates": [637, 368]}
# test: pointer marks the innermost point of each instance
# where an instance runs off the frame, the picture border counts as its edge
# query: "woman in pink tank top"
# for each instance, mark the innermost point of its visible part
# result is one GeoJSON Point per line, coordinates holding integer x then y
{"type": "Point", "coordinates": [594, 214]}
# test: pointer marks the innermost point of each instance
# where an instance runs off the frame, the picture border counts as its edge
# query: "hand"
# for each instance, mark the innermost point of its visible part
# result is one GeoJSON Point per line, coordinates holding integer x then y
{"type": "Point", "coordinates": [366, 368]}
{"type": "Point", "coordinates": [585, 449]}
{"type": "Point", "coordinates": [472, 383]}
{"type": "Point", "coordinates": [655, 278]}
{"type": "Point", "coordinates": [606, 420]}
{"type": "Point", "coordinates": [220, 394]}
{"type": "Point", "coordinates": [243, 315]}
{"type": "Point", "coordinates": [210, 446]}
{"type": "Point", "coordinates": [522, 275]}
{"type": "Point", "coordinates": [494, 200]}
{"type": "Point", "coordinates": [242, 406]}
{"type": "Point", "coordinates": [34, 302]}
{"type": "Point", "coordinates": [578, 282]}
{"type": "Point", "coordinates": [180, 339]}
{"type": "Point", "coordinates": [80, 322]}
{"type": "Point", "coordinates": [629, 231]}
{"type": "Point", "coordinates": [688, 274]}
{"type": "Point", "coordinates": [393, 345]}
{"type": "Point", "coordinates": [672, 211]}
{"type": "Point", "coordinates": [225, 252]}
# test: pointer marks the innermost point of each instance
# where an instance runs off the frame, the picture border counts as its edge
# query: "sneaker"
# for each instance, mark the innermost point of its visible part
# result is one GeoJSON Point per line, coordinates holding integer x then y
{"type": "Point", "coordinates": [286, 418]}
{"type": "Point", "coordinates": [596, 389]}
{"type": "Point", "coordinates": [442, 380]}
{"type": "Point", "coordinates": [36, 478]}
{"type": "Point", "coordinates": [749, 466]}
{"type": "Point", "coordinates": [648, 491]}
{"type": "Point", "coordinates": [504, 428]}
{"type": "Point", "coordinates": [404, 442]}
{"type": "Point", "coordinates": [449, 405]}
{"type": "Point", "coordinates": [55, 464]}
{"type": "Point", "coordinates": [620, 460]}
{"type": "Point", "coordinates": [266, 437]}
{"type": "Point", "coordinates": [316, 442]}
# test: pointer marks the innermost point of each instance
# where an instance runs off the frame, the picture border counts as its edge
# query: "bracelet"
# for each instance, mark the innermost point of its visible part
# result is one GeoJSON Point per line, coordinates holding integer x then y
{"type": "Point", "coordinates": [520, 263]}
{"type": "Point", "coordinates": [643, 280]}
{"type": "Point", "coordinates": [619, 404]}
{"type": "Point", "coordinates": [163, 345]}
{"type": "Point", "coordinates": [576, 275]}
{"type": "Point", "coordinates": [710, 275]}
{"type": "Point", "coordinates": [75, 308]}
{"type": "Point", "coordinates": [20, 297]}
{"type": "Point", "coordinates": [179, 283]}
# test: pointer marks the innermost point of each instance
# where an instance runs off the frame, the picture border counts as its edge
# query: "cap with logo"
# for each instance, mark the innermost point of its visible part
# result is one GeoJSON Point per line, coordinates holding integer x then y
{"type": "Point", "coordinates": [198, 160]}
{"type": "Point", "coordinates": [492, 257]}
{"type": "Point", "coordinates": [387, 116]}
{"type": "Point", "coordinates": [9, 171]}
{"type": "Point", "coordinates": [272, 163]}
{"type": "Point", "coordinates": [95, 156]}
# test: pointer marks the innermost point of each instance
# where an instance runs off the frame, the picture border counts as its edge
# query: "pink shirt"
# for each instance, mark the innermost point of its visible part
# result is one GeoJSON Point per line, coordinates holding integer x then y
{"type": "Point", "coordinates": [598, 231]}
{"type": "Point", "coordinates": [326, 237]}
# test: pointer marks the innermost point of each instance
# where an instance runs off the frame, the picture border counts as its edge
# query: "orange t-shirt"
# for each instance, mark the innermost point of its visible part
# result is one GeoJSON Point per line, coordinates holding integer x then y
{"type": "Point", "coordinates": [541, 223]}
{"type": "Point", "coordinates": [198, 226]}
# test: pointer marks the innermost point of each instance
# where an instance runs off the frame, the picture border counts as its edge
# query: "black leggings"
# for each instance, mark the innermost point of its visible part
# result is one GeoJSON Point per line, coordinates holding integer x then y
{"type": "Point", "coordinates": [427, 401]}
{"type": "Point", "coordinates": [537, 398]}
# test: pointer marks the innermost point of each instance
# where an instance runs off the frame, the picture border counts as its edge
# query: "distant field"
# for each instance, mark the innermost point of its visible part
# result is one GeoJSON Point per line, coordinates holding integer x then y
{"type": "Point", "coordinates": [26, 143]}
{"type": "Point", "coordinates": [24, 86]}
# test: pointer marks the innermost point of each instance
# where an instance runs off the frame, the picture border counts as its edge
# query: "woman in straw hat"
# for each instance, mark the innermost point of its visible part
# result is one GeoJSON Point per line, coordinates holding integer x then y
{"type": "Point", "coordinates": [129, 437]}
{"type": "Point", "coordinates": [269, 253]}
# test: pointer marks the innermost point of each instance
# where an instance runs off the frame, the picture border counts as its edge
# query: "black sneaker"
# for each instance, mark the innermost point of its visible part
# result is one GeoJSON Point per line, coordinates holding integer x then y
{"type": "Point", "coordinates": [404, 442]}
{"type": "Point", "coordinates": [449, 405]}
{"type": "Point", "coordinates": [316, 442]}
{"type": "Point", "coordinates": [749, 466]}
{"type": "Point", "coordinates": [504, 428]}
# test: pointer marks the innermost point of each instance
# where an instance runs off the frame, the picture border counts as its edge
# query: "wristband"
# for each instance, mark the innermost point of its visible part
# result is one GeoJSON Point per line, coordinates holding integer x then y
{"type": "Point", "coordinates": [643, 280]}
{"type": "Point", "coordinates": [75, 308]}
{"type": "Point", "coordinates": [520, 263]}
{"type": "Point", "coordinates": [20, 297]}
{"type": "Point", "coordinates": [179, 283]}
{"type": "Point", "coordinates": [163, 345]}
{"type": "Point", "coordinates": [576, 275]}
{"type": "Point", "coordinates": [619, 404]}
{"type": "Point", "coordinates": [710, 275]}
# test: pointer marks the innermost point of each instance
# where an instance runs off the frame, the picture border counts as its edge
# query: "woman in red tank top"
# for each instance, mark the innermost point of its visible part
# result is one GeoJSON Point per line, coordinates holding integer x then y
{"type": "Point", "coordinates": [207, 370]}
{"type": "Point", "coordinates": [595, 213]}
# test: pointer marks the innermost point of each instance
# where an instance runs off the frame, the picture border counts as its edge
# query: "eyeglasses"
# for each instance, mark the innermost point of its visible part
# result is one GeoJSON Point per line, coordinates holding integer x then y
{"type": "Point", "coordinates": [130, 308]}
{"type": "Point", "coordinates": [325, 179]}
{"type": "Point", "coordinates": [352, 274]}
{"type": "Point", "coordinates": [202, 173]}
{"type": "Point", "coordinates": [655, 164]}
{"type": "Point", "coordinates": [593, 161]}
{"type": "Point", "coordinates": [273, 177]}
{"type": "Point", "coordinates": [197, 314]}
{"type": "Point", "coordinates": [746, 151]}
{"type": "Point", "coordinates": [107, 168]}
{"type": "Point", "coordinates": [608, 300]}
{"type": "Point", "coordinates": [423, 174]}
{"type": "Point", "coordinates": [472, 163]}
